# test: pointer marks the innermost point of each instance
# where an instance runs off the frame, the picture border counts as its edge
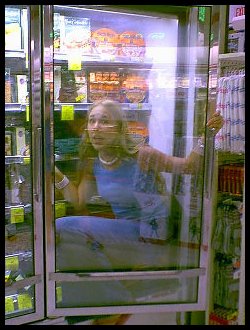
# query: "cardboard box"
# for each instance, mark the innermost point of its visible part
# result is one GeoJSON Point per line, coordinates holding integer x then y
{"type": "Point", "coordinates": [13, 31]}
{"type": "Point", "coordinates": [236, 42]}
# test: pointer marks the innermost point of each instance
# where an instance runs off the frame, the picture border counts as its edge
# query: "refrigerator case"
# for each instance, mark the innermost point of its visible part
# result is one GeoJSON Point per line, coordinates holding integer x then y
{"type": "Point", "coordinates": [23, 274]}
{"type": "Point", "coordinates": [155, 63]}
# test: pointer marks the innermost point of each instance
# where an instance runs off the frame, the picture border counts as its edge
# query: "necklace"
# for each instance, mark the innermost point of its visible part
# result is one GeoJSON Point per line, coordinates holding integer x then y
{"type": "Point", "coordinates": [108, 163]}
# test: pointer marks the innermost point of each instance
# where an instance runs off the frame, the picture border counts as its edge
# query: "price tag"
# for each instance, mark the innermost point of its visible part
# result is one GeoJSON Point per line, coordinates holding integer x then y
{"type": "Point", "coordinates": [67, 112]}
{"type": "Point", "coordinates": [26, 160]}
{"type": "Point", "coordinates": [139, 106]}
{"type": "Point", "coordinates": [75, 61]}
{"type": "Point", "coordinates": [9, 305]}
{"type": "Point", "coordinates": [24, 301]}
{"type": "Point", "coordinates": [27, 112]}
{"type": "Point", "coordinates": [60, 210]}
{"type": "Point", "coordinates": [12, 263]}
{"type": "Point", "coordinates": [17, 214]}
{"type": "Point", "coordinates": [58, 294]}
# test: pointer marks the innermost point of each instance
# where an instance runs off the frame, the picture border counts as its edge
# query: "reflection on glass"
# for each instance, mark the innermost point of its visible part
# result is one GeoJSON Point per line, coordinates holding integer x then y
{"type": "Point", "coordinates": [19, 252]}
{"type": "Point", "coordinates": [129, 171]}
{"type": "Point", "coordinates": [126, 292]}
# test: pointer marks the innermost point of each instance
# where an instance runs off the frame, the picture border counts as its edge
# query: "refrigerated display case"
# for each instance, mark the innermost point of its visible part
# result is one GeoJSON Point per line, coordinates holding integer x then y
{"type": "Point", "coordinates": [24, 272]}
{"type": "Point", "coordinates": [155, 63]}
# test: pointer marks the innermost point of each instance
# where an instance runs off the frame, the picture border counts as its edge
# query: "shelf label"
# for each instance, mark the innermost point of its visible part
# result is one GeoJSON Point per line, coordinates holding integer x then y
{"type": "Point", "coordinates": [75, 61]}
{"type": "Point", "coordinates": [58, 294]}
{"type": "Point", "coordinates": [12, 263]}
{"type": "Point", "coordinates": [60, 209]}
{"type": "Point", "coordinates": [26, 160]}
{"type": "Point", "coordinates": [9, 305]}
{"type": "Point", "coordinates": [17, 214]}
{"type": "Point", "coordinates": [27, 112]}
{"type": "Point", "coordinates": [67, 112]}
{"type": "Point", "coordinates": [139, 106]}
{"type": "Point", "coordinates": [24, 301]}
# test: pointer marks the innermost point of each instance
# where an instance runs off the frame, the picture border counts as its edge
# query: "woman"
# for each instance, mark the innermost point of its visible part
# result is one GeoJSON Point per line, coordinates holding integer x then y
{"type": "Point", "coordinates": [127, 176]}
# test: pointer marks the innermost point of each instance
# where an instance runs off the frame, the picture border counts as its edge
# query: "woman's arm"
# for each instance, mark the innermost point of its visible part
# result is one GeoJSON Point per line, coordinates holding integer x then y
{"type": "Point", "coordinates": [151, 158]}
{"type": "Point", "coordinates": [67, 188]}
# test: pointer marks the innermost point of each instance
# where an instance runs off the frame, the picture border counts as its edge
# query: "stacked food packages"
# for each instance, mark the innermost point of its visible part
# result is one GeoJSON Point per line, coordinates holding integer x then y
{"type": "Point", "coordinates": [134, 88]}
{"type": "Point", "coordinates": [71, 33]}
{"type": "Point", "coordinates": [223, 316]}
{"type": "Point", "coordinates": [122, 87]}
{"type": "Point", "coordinates": [105, 41]}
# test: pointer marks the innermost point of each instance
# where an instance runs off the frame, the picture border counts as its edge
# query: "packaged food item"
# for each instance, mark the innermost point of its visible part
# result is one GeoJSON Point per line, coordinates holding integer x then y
{"type": "Point", "coordinates": [81, 86]}
{"type": "Point", "coordinates": [22, 88]}
{"type": "Point", "coordinates": [236, 42]}
{"type": "Point", "coordinates": [134, 89]}
{"type": "Point", "coordinates": [7, 86]}
{"type": "Point", "coordinates": [105, 41]}
{"type": "Point", "coordinates": [104, 85]}
{"type": "Point", "coordinates": [8, 143]}
{"type": "Point", "coordinates": [13, 31]}
{"type": "Point", "coordinates": [139, 132]}
{"type": "Point", "coordinates": [57, 32]}
{"type": "Point", "coordinates": [132, 44]}
{"type": "Point", "coordinates": [75, 34]}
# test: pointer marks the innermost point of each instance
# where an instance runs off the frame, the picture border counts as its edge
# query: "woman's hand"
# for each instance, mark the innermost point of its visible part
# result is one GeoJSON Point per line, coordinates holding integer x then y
{"type": "Point", "coordinates": [58, 175]}
{"type": "Point", "coordinates": [215, 123]}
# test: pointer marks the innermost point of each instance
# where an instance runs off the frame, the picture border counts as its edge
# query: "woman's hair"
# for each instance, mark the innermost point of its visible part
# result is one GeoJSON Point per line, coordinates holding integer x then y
{"type": "Point", "coordinates": [126, 146]}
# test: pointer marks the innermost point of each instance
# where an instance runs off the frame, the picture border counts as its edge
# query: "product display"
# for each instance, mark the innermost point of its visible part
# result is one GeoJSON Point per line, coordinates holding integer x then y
{"type": "Point", "coordinates": [105, 41]}
{"type": "Point", "coordinates": [142, 228]}
{"type": "Point", "coordinates": [132, 44]}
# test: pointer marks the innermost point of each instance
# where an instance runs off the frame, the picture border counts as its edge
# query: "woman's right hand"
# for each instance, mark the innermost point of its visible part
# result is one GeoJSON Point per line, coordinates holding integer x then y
{"type": "Point", "coordinates": [58, 175]}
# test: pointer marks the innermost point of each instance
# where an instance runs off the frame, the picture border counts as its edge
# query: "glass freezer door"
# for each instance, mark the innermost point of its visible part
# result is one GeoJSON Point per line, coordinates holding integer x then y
{"type": "Point", "coordinates": [24, 286]}
{"type": "Point", "coordinates": [126, 235]}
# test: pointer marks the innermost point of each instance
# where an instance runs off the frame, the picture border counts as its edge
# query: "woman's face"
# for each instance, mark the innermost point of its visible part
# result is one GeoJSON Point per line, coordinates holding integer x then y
{"type": "Point", "coordinates": [103, 129]}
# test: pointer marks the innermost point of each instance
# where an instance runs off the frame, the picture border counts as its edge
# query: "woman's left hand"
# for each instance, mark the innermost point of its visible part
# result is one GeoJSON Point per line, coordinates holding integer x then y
{"type": "Point", "coordinates": [215, 123]}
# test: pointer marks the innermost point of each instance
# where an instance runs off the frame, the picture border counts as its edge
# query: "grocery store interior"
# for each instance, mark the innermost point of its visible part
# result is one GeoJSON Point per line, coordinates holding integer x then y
{"type": "Point", "coordinates": [125, 164]}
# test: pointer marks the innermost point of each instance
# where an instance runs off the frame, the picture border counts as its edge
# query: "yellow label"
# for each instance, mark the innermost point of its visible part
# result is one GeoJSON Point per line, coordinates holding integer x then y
{"type": "Point", "coordinates": [16, 214]}
{"type": "Point", "coordinates": [9, 305]}
{"type": "Point", "coordinates": [58, 294]}
{"type": "Point", "coordinates": [11, 263]}
{"type": "Point", "coordinates": [27, 112]}
{"type": "Point", "coordinates": [75, 61]}
{"type": "Point", "coordinates": [60, 209]}
{"type": "Point", "coordinates": [26, 160]}
{"type": "Point", "coordinates": [139, 106]}
{"type": "Point", "coordinates": [24, 301]}
{"type": "Point", "coordinates": [67, 112]}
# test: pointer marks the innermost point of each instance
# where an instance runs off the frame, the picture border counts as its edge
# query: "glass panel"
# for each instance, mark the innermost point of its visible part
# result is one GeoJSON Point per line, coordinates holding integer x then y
{"type": "Point", "coordinates": [122, 292]}
{"type": "Point", "coordinates": [120, 204]}
{"type": "Point", "coordinates": [19, 230]}
{"type": "Point", "coordinates": [20, 302]}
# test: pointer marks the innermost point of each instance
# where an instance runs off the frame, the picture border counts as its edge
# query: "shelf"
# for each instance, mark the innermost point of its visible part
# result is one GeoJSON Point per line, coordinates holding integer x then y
{"type": "Point", "coordinates": [17, 159]}
{"type": "Point", "coordinates": [15, 107]}
{"type": "Point", "coordinates": [93, 60]}
{"type": "Point", "coordinates": [227, 157]}
{"type": "Point", "coordinates": [235, 57]}
{"type": "Point", "coordinates": [15, 53]}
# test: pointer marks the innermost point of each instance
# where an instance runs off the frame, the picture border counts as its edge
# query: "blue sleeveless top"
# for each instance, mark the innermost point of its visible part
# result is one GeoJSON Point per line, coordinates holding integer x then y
{"type": "Point", "coordinates": [128, 190]}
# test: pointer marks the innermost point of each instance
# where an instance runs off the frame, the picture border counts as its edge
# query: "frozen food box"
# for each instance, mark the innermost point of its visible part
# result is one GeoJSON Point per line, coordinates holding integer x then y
{"type": "Point", "coordinates": [75, 34]}
{"type": "Point", "coordinates": [132, 44]}
{"type": "Point", "coordinates": [13, 31]}
{"type": "Point", "coordinates": [104, 85]}
{"type": "Point", "coordinates": [134, 89]}
{"type": "Point", "coordinates": [104, 41]}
